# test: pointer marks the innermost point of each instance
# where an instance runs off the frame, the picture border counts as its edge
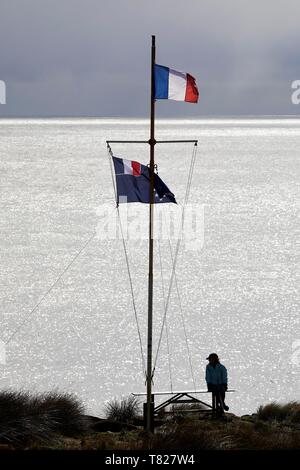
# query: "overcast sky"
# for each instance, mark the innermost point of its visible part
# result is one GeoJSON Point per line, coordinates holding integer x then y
{"type": "Point", "coordinates": [92, 57]}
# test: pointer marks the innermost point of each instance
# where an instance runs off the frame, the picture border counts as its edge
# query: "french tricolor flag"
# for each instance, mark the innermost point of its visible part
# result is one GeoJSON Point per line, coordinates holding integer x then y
{"type": "Point", "coordinates": [131, 168]}
{"type": "Point", "coordinates": [173, 85]}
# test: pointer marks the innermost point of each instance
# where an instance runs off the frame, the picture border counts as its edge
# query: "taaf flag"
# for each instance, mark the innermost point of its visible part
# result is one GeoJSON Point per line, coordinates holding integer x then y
{"type": "Point", "coordinates": [133, 182]}
{"type": "Point", "coordinates": [173, 85]}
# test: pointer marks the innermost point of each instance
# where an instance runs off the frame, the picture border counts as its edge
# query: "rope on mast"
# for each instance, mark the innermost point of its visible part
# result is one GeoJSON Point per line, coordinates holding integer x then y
{"type": "Point", "coordinates": [189, 181]}
{"type": "Point", "coordinates": [28, 315]}
{"type": "Point", "coordinates": [183, 322]}
{"type": "Point", "coordinates": [166, 323]}
{"type": "Point", "coordinates": [132, 295]}
{"type": "Point", "coordinates": [110, 154]}
{"type": "Point", "coordinates": [173, 276]}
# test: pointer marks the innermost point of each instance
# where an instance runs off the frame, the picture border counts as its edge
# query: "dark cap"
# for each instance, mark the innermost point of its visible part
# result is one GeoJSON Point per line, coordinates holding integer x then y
{"type": "Point", "coordinates": [212, 356]}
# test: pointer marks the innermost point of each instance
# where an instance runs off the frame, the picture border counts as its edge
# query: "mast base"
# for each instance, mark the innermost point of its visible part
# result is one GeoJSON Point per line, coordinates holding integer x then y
{"type": "Point", "coordinates": [146, 427]}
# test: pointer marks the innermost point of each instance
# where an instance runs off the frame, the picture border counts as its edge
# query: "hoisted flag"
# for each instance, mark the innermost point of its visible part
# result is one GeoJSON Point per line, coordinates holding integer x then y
{"type": "Point", "coordinates": [173, 85]}
{"type": "Point", "coordinates": [133, 182]}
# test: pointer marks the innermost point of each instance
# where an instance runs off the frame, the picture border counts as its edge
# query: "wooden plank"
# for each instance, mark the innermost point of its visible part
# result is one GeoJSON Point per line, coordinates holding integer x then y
{"type": "Point", "coordinates": [177, 392]}
{"type": "Point", "coordinates": [208, 411]}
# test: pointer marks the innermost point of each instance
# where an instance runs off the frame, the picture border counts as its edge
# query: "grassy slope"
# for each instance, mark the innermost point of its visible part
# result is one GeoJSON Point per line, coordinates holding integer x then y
{"type": "Point", "coordinates": [191, 432]}
{"type": "Point", "coordinates": [57, 421]}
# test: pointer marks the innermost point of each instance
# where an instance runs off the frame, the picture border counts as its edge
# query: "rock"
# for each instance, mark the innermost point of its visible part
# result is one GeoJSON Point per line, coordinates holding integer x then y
{"type": "Point", "coordinates": [92, 419]}
{"type": "Point", "coordinates": [249, 418]}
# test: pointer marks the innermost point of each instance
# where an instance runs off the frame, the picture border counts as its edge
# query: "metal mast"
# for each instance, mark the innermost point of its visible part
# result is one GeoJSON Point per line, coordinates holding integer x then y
{"type": "Point", "coordinates": [152, 142]}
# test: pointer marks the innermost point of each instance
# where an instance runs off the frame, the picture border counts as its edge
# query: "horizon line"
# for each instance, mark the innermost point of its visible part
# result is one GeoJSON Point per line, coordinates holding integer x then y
{"type": "Point", "coordinates": [209, 116]}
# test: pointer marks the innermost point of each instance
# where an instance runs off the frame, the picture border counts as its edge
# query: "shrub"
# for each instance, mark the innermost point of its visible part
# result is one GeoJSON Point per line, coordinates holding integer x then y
{"type": "Point", "coordinates": [222, 436]}
{"type": "Point", "coordinates": [185, 437]}
{"type": "Point", "coordinates": [181, 411]}
{"type": "Point", "coordinates": [25, 417]}
{"type": "Point", "coordinates": [289, 412]}
{"type": "Point", "coordinates": [246, 436]}
{"type": "Point", "coordinates": [65, 410]}
{"type": "Point", "coordinates": [124, 411]}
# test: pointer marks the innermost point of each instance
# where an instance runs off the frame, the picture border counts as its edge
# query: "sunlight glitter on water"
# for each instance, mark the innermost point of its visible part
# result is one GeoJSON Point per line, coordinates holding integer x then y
{"type": "Point", "coordinates": [239, 292]}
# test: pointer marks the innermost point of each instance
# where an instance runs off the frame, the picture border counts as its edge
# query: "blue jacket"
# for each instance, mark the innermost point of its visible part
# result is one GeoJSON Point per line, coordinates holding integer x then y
{"type": "Point", "coordinates": [216, 375]}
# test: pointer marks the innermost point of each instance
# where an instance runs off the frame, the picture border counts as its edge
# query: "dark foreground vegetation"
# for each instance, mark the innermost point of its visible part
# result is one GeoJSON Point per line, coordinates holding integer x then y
{"type": "Point", "coordinates": [27, 418]}
{"type": "Point", "coordinates": [58, 421]}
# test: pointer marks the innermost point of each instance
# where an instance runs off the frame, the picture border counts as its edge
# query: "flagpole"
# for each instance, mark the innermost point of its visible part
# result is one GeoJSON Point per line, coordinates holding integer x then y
{"type": "Point", "coordinates": [152, 142]}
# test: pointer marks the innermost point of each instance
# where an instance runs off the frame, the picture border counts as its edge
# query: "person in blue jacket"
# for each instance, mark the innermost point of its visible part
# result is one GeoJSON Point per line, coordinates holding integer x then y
{"type": "Point", "coordinates": [216, 379]}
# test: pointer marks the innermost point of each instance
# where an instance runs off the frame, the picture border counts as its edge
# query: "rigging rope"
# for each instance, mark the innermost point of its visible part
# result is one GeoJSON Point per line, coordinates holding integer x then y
{"type": "Point", "coordinates": [110, 154]}
{"type": "Point", "coordinates": [166, 303]}
{"type": "Point", "coordinates": [28, 315]}
{"type": "Point", "coordinates": [183, 322]}
{"type": "Point", "coordinates": [189, 181]}
{"type": "Point", "coordinates": [167, 333]}
{"type": "Point", "coordinates": [132, 297]}
{"type": "Point", "coordinates": [173, 274]}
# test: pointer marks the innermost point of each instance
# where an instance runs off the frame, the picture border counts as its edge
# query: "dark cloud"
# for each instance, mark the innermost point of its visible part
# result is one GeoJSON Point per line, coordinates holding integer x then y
{"type": "Point", "coordinates": [91, 57]}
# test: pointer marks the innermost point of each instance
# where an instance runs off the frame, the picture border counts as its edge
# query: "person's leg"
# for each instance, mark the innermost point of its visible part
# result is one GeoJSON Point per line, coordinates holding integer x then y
{"type": "Point", "coordinates": [222, 399]}
{"type": "Point", "coordinates": [219, 403]}
{"type": "Point", "coordinates": [214, 403]}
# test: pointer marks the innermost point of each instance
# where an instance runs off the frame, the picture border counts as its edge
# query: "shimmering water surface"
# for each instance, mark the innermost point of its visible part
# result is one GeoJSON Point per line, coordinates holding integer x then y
{"type": "Point", "coordinates": [239, 292]}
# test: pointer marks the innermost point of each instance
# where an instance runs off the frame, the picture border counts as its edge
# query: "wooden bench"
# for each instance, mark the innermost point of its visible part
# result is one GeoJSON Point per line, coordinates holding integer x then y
{"type": "Point", "coordinates": [183, 397]}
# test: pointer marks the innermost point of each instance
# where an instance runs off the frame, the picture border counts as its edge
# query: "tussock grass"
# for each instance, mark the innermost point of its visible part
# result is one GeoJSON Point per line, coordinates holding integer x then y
{"type": "Point", "coordinates": [66, 410]}
{"type": "Point", "coordinates": [185, 436]}
{"type": "Point", "coordinates": [123, 411]}
{"type": "Point", "coordinates": [223, 436]}
{"type": "Point", "coordinates": [55, 420]}
{"type": "Point", "coordinates": [190, 435]}
{"type": "Point", "coordinates": [289, 412]}
{"type": "Point", "coordinates": [25, 417]}
{"type": "Point", "coordinates": [178, 412]}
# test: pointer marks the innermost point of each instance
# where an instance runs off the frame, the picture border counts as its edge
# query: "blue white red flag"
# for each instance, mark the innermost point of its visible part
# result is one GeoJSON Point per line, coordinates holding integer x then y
{"type": "Point", "coordinates": [133, 183]}
{"type": "Point", "coordinates": [173, 85]}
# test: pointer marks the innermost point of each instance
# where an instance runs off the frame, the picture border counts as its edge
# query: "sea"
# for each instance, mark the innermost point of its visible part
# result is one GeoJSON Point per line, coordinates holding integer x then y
{"type": "Point", "coordinates": [67, 317]}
